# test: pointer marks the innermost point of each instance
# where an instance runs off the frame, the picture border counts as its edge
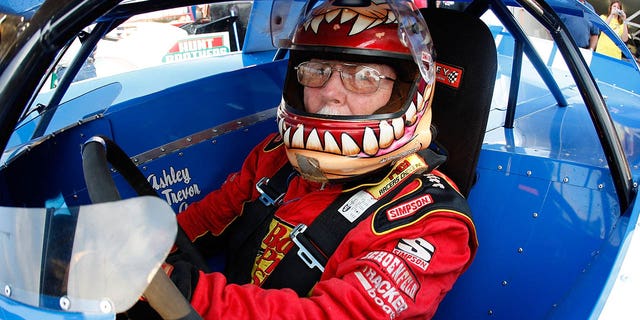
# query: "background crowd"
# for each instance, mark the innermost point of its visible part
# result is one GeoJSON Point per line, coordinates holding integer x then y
{"type": "Point", "coordinates": [589, 36]}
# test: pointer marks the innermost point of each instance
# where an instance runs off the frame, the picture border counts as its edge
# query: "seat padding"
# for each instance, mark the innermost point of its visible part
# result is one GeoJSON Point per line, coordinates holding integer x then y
{"type": "Point", "coordinates": [466, 73]}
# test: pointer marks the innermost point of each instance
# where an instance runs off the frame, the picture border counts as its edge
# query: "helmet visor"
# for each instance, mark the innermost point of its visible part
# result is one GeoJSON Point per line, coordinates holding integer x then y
{"type": "Point", "coordinates": [412, 30]}
{"type": "Point", "coordinates": [285, 16]}
{"type": "Point", "coordinates": [414, 34]}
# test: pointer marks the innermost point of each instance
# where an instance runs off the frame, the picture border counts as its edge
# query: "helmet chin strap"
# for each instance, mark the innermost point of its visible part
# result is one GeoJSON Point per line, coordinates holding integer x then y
{"type": "Point", "coordinates": [310, 169]}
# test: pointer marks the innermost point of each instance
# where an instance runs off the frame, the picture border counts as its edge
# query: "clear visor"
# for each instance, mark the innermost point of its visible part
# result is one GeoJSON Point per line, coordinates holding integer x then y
{"type": "Point", "coordinates": [285, 16]}
{"type": "Point", "coordinates": [94, 259]}
{"type": "Point", "coordinates": [412, 29]}
{"type": "Point", "coordinates": [414, 34]}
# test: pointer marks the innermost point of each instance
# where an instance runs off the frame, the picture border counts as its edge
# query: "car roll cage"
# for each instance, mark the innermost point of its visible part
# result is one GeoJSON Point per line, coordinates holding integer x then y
{"type": "Point", "coordinates": [605, 129]}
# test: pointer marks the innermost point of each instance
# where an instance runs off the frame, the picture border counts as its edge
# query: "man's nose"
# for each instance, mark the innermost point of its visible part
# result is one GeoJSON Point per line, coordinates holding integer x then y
{"type": "Point", "coordinates": [334, 90]}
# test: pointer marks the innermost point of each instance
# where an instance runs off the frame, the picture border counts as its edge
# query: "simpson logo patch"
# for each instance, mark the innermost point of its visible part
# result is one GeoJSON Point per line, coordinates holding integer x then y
{"type": "Point", "coordinates": [408, 208]}
{"type": "Point", "coordinates": [448, 75]}
{"type": "Point", "coordinates": [416, 251]}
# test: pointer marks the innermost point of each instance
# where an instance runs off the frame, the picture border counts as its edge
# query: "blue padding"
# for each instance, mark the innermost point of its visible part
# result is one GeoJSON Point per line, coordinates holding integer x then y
{"type": "Point", "coordinates": [191, 107]}
{"type": "Point", "coordinates": [50, 168]}
{"type": "Point", "coordinates": [535, 242]}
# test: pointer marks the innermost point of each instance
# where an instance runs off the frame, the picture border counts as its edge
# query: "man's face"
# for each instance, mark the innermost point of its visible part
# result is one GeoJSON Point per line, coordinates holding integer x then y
{"type": "Point", "coordinates": [334, 99]}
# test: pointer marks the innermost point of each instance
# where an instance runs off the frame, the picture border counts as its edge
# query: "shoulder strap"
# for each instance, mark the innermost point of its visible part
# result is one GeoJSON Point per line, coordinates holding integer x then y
{"type": "Point", "coordinates": [246, 232]}
{"type": "Point", "coordinates": [303, 265]}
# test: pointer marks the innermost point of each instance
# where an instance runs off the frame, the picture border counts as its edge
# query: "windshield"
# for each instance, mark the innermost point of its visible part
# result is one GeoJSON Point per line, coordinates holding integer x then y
{"type": "Point", "coordinates": [84, 259]}
{"type": "Point", "coordinates": [114, 67]}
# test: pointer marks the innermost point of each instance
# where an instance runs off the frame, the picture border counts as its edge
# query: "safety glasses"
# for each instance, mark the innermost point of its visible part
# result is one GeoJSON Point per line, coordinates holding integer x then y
{"type": "Point", "coordinates": [355, 77]}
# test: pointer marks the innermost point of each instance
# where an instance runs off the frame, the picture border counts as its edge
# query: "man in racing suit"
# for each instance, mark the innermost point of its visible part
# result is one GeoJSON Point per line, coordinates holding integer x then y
{"type": "Point", "coordinates": [351, 158]}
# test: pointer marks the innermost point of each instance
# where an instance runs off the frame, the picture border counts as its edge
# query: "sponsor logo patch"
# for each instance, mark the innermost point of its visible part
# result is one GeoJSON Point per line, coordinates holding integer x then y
{"type": "Point", "coordinates": [400, 171]}
{"type": "Point", "coordinates": [435, 181]}
{"type": "Point", "coordinates": [396, 269]}
{"type": "Point", "coordinates": [384, 293]}
{"type": "Point", "coordinates": [356, 205]}
{"type": "Point", "coordinates": [416, 251]}
{"type": "Point", "coordinates": [408, 208]}
{"type": "Point", "coordinates": [448, 75]}
{"type": "Point", "coordinates": [273, 247]}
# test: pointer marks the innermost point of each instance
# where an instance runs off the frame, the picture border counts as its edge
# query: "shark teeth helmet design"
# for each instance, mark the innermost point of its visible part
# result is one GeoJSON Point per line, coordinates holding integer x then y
{"type": "Point", "coordinates": [333, 147]}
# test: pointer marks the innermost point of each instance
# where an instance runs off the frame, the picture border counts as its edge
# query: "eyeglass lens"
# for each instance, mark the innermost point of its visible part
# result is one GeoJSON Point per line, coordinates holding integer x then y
{"type": "Point", "coordinates": [355, 78]}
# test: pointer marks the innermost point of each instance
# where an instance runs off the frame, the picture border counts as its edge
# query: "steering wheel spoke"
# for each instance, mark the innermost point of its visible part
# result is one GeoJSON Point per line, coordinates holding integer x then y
{"type": "Point", "coordinates": [97, 153]}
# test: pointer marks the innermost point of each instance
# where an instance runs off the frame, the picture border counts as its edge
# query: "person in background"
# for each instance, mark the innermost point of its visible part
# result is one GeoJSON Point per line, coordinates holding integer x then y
{"type": "Point", "coordinates": [583, 31]}
{"type": "Point", "coordinates": [615, 18]}
{"type": "Point", "coordinates": [634, 47]}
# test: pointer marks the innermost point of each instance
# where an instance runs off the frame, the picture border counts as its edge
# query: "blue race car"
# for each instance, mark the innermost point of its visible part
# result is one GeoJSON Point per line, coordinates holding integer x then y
{"type": "Point", "coordinates": [108, 110]}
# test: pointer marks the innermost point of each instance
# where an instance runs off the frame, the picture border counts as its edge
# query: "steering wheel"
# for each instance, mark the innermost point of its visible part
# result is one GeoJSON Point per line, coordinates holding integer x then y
{"type": "Point", "coordinates": [97, 152]}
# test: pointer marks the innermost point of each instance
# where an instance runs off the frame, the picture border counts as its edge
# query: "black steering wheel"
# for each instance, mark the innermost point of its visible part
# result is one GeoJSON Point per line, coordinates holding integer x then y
{"type": "Point", "coordinates": [97, 153]}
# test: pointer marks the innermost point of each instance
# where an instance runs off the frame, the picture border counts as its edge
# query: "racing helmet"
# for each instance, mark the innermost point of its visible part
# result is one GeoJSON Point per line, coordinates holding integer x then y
{"type": "Point", "coordinates": [327, 148]}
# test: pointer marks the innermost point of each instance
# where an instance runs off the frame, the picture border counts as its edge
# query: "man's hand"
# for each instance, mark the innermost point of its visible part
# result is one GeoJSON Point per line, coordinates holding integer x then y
{"type": "Point", "coordinates": [184, 275]}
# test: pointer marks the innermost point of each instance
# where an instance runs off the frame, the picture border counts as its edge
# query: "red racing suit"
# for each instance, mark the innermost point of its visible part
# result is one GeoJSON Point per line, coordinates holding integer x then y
{"type": "Point", "coordinates": [401, 270]}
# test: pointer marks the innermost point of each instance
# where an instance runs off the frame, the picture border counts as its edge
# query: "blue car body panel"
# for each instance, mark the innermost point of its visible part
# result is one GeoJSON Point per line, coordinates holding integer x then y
{"type": "Point", "coordinates": [13, 310]}
{"type": "Point", "coordinates": [153, 121]}
{"type": "Point", "coordinates": [559, 225]}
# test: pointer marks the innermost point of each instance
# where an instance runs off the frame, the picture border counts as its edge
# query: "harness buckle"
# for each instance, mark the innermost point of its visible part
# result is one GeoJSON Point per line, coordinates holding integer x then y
{"type": "Point", "coordinates": [267, 194]}
{"type": "Point", "coordinates": [297, 236]}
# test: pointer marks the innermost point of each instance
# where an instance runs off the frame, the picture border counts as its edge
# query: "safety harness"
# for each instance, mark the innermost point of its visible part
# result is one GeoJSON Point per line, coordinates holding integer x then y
{"type": "Point", "coordinates": [303, 265]}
